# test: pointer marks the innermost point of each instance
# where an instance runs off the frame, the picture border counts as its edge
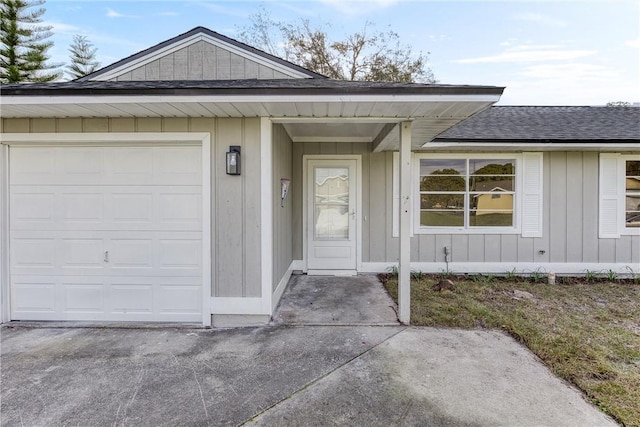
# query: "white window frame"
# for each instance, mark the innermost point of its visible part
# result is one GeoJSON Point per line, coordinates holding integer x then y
{"type": "Point", "coordinates": [622, 169]}
{"type": "Point", "coordinates": [517, 204]}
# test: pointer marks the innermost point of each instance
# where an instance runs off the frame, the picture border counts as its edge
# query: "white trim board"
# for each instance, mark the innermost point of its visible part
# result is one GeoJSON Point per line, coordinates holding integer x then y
{"type": "Point", "coordinates": [266, 215]}
{"type": "Point", "coordinates": [573, 268]}
{"type": "Point", "coordinates": [141, 99]}
{"type": "Point", "coordinates": [201, 138]}
{"type": "Point", "coordinates": [282, 286]}
{"type": "Point", "coordinates": [533, 146]}
{"type": "Point", "coordinates": [5, 307]}
{"type": "Point", "coordinates": [237, 305]}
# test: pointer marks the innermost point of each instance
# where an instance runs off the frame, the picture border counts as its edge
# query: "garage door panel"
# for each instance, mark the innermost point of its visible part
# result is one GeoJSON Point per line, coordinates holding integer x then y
{"type": "Point", "coordinates": [130, 165]}
{"type": "Point", "coordinates": [182, 254]}
{"type": "Point", "coordinates": [32, 166]}
{"type": "Point", "coordinates": [88, 297]}
{"type": "Point", "coordinates": [82, 253]}
{"type": "Point", "coordinates": [33, 297]}
{"type": "Point", "coordinates": [34, 252]}
{"type": "Point", "coordinates": [131, 253]}
{"type": "Point", "coordinates": [182, 299]}
{"type": "Point", "coordinates": [106, 233]}
{"type": "Point", "coordinates": [32, 206]}
{"type": "Point", "coordinates": [82, 207]}
{"type": "Point", "coordinates": [132, 298]}
{"type": "Point", "coordinates": [178, 166]}
{"type": "Point", "coordinates": [106, 208]}
{"type": "Point", "coordinates": [130, 208]}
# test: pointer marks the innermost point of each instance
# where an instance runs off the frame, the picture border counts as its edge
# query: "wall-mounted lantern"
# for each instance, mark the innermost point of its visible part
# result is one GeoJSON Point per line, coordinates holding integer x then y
{"type": "Point", "coordinates": [233, 160]}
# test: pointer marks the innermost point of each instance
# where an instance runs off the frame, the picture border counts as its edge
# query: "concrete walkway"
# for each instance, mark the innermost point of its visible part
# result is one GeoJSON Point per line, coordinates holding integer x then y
{"type": "Point", "coordinates": [334, 372]}
{"type": "Point", "coordinates": [328, 300]}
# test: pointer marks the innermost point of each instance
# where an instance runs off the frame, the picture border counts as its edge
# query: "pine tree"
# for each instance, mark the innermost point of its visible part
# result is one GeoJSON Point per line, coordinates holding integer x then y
{"type": "Point", "coordinates": [23, 45]}
{"type": "Point", "coordinates": [83, 57]}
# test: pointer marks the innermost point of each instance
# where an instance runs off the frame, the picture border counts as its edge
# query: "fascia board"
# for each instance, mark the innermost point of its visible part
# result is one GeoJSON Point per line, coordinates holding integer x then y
{"type": "Point", "coordinates": [287, 98]}
{"type": "Point", "coordinates": [532, 146]}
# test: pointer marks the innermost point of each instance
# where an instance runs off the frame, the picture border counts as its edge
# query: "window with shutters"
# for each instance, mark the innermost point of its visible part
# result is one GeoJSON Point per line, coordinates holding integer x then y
{"type": "Point", "coordinates": [632, 193]}
{"type": "Point", "coordinates": [619, 201]}
{"type": "Point", "coordinates": [489, 194]}
{"type": "Point", "coordinates": [474, 194]}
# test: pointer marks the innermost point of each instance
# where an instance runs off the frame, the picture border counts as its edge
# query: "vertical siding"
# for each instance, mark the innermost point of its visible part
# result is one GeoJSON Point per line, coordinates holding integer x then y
{"type": "Point", "coordinates": [570, 222]}
{"type": "Point", "coordinates": [589, 205]}
{"type": "Point", "coordinates": [235, 200]}
{"type": "Point", "coordinates": [201, 61]}
{"type": "Point", "coordinates": [282, 216]}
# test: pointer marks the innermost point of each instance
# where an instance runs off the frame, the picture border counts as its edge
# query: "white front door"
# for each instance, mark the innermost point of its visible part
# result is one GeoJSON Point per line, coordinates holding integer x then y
{"type": "Point", "coordinates": [331, 215]}
{"type": "Point", "coordinates": [106, 233]}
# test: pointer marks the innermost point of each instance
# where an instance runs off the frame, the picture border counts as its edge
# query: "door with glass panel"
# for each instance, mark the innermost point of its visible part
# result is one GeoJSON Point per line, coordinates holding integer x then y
{"type": "Point", "coordinates": [331, 214]}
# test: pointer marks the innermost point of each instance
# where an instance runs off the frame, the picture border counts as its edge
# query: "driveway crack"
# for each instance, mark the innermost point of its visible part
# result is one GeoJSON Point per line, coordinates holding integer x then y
{"type": "Point", "coordinates": [321, 377]}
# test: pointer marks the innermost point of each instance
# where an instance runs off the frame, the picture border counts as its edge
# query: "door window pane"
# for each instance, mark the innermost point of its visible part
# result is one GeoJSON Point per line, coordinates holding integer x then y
{"type": "Point", "coordinates": [331, 197]}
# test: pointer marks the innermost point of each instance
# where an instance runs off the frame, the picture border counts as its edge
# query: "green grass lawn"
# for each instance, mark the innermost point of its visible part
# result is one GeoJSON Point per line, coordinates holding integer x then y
{"type": "Point", "coordinates": [586, 332]}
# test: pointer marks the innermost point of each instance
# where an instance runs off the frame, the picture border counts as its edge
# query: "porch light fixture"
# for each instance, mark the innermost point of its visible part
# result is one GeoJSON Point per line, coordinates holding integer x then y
{"type": "Point", "coordinates": [233, 160]}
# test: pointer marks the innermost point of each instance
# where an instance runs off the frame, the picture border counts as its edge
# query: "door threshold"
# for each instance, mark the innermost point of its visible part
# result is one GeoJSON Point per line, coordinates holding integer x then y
{"type": "Point", "coordinates": [332, 273]}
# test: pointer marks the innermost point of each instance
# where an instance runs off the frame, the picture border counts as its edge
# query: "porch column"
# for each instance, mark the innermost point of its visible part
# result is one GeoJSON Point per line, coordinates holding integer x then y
{"type": "Point", "coordinates": [404, 264]}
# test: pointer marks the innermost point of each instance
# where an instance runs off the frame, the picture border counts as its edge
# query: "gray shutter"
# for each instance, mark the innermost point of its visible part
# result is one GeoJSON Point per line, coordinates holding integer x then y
{"type": "Point", "coordinates": [609, 206]}
{"type": "Point", "coordinates": [532, 194]}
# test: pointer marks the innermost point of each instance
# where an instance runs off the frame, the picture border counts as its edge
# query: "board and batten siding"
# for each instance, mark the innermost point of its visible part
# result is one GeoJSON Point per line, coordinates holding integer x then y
{"type": "Point", "coordinates": [201, 61]}
{"type": "Point", "coordinates": [570, 225]}
{"type": "Point", "coordinates": [235, 212]}
{"type": "Point", "coordinates": [570, 216]}
{"type": "Point", "coordinates": [282, 215]}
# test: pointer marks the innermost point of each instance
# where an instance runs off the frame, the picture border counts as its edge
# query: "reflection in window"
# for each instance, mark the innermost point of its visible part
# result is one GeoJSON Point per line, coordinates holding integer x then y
{"type": "Point", "coordinates": [467, 192]}
{"type": "Point", "coordinates": [632, 193]}
{"type": "Point", "coordinates": [331, 197]}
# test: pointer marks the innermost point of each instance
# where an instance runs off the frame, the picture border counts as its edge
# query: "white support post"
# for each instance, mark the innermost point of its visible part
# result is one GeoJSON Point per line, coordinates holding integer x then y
{"type": "Point", "coordinates": [404, 265]}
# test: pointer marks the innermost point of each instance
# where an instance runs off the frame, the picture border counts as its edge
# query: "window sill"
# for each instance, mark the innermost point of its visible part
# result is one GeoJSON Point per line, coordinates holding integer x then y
{"type": "Point", "coordinates": [453, 230]}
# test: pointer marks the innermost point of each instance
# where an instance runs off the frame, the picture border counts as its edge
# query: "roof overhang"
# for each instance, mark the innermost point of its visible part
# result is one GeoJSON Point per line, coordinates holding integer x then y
{"type": "Point", "coordinates": [307, 117]}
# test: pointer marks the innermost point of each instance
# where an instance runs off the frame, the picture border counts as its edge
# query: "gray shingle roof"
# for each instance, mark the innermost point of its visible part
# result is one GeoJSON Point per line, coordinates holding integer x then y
{"type": "Point", "coordinates": [548, 124]}
{"type": "Point", "coordinates": [241, 87]}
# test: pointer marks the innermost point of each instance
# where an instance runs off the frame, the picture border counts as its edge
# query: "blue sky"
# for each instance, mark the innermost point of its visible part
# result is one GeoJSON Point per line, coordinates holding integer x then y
{"type": "Point", "coordinates": [544, 52]}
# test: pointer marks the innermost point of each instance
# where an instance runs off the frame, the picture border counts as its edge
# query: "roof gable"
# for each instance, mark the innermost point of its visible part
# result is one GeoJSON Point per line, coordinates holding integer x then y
{"type": "Point", "coordinates": [200, 54]}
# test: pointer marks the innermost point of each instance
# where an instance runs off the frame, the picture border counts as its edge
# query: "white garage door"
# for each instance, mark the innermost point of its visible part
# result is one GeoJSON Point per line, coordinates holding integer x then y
{"type": "Point", "coordinates": [106, 233]}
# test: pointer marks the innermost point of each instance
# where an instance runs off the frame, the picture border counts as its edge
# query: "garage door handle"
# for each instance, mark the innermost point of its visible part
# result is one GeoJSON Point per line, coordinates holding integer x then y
{"type": "Point", "coordinates": [106, 256]}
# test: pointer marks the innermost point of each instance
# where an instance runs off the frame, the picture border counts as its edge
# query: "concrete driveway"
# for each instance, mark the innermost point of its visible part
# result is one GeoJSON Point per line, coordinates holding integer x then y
{"type": "Point", "coordinates": [333, 355]}
{"type": "Point", "coordinates": [279, 375]}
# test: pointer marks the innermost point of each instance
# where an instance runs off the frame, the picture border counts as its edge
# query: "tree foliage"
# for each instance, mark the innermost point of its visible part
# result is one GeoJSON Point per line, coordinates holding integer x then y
{"type": "Point", "coordinates": [23, 45]}
{"type": "Point", "coordinates": [618, 104]}
{"type": "Point", "coordinates": [367, 55]}
{"type": "Point", "coordinates": [83, 57]}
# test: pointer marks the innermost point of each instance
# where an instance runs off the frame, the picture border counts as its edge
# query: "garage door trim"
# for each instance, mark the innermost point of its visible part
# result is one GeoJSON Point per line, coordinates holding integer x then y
{"type": "Point", "coordinates": [115, 138]}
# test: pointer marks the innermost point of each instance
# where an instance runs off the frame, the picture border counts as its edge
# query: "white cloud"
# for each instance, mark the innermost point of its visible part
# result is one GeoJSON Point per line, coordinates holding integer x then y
{"type": "Point", "coordinates": [582, 71]}
{"type": "Point", "coordinates": [168, 13]}
{"type": "Point", "coordinates": [530, 53]}
{"type": "Point", "coordinates": [564, 84]}
{"type": "Point", "coordinates": [538, 18]}
{"type": "Point", "coordinates": [633, 43]}
{"type": "Point", "coordinates": [62, 28]}
{"type": "Point", "coordinates": [115, 14]}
